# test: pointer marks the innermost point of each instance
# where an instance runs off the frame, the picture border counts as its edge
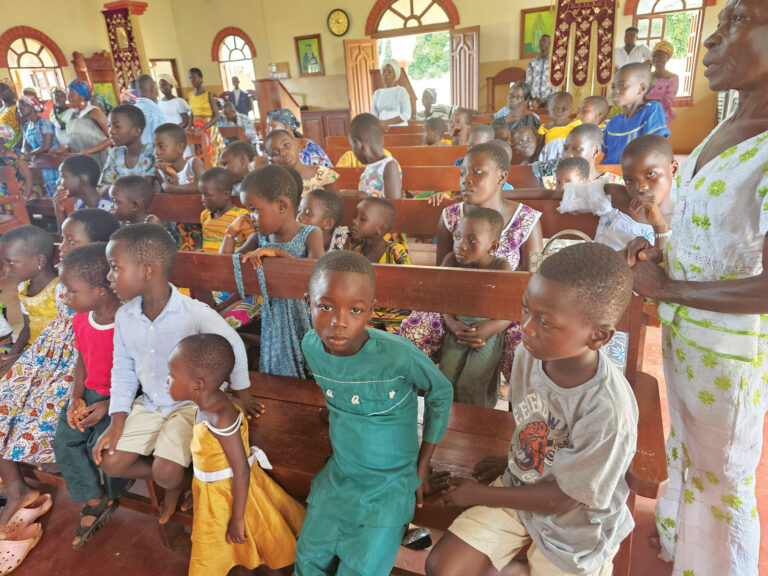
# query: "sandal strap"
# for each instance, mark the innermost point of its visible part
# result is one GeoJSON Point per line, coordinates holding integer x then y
{"type": "Point", "coordinates": [96, 510]}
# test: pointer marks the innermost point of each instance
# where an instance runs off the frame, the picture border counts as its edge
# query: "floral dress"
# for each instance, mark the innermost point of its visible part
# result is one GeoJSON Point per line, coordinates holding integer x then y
{"type": "Point", "coordinates": [321, 179]}
{"type": "Point", "coordinates": [372, 178]}
{"type": "Point", "coordinates": [34, 135]}
{"type": "Point", "coordinates": [715, 366]}
{"type": "Point", "coordinates": [664, 91]}
{"type": "Point", "coordinates": [426, 329]}
{"type": "Point", "coordinates": [313, 155]}
{"type": "Point", "coordinates": [189, 235]}
{"type": "Point", "coordinates": [35, 388]}
{"type": "Point", "coordinates": [115, 166]}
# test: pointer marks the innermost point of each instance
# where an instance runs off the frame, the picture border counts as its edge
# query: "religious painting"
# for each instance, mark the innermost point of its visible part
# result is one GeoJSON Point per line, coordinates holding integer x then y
{"type": "Point", "coordinates": [535, 23]}
{"type": "Point", "coordinates": [107, 90]}
{"type": "Point", "coordinates": [309, 53]}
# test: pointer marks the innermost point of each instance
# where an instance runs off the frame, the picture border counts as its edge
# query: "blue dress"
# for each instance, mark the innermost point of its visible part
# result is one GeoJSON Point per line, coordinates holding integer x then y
{"type": "Point", "coordinates": [284, 321]}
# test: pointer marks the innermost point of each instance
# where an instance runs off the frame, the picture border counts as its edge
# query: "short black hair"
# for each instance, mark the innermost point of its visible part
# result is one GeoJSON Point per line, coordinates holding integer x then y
{"type": "Point", "coordinates": [196, 71]}
{"type": "Point", "coordinates": [499, 155]}
{"type": "Point", "coordinates": [525, 88]}
{"type": "Point", "coordinates": [299, 182]}
{"type": "Point", "coordinates": [134, 115]}
{"type": "Point", "coordinates": [148, 244]}
{"type": "Point", "coordinates": [647, 144]}
{"type": "Point", "coordinates": [220, 177]}
{"type": "Point", "coordinates": [504, 145]}
{"type": "Point", "coordinates": [278, 132]}
{"type": "Point", "coordinates": [601, 101]}
{"type": "Point", "coordinates": [174, 131]}
{"type": "Point", "coordinates": [639, 70]}
{"type": "Point", "coordinates": [388, 210]}
{"type": "Point", "coordinates": [632, 29]}
{"type": "Point", "coordinates": [272, 182]}
{"type": "Point", "coordinates": [89, 263]}
{"type": "Point", "coordinates": [366, 127]}
{"type": "Point", "coordinates": [331, 204]}
{"type": "Point", "coordinates": [560, 94]}
{"type": "Point", "coordinates": [470, 115]}
{"type": "Point", "coordinates": [486, 129]}
{"type": "Point", "coordinates": [240, 148]}
{"type": "Point", "coordinates": [209, 357]}
{"type": "Point", "coordinates": [598, 277]}
{"type": "Point", "coordinates": [591, 133]}
{"type": "Point", "coordinates": [143, 82]}
{"type": "Point", "coordinates": [575, 163]}
{"type": "Point", "coordinates": [342, 261]}
{"type": "Point", "coordinates": [435, 124]}
{"type": "Point", "coordinates": [493, 217]}
{"type": "Point", "coordinates": [99, 224]}
{"type": "Point", "coordinates": [82, 165]}
{"type": "Point", "coordinates": [34, 241]}
{"type": "Point", "coordinates": [137, 189]}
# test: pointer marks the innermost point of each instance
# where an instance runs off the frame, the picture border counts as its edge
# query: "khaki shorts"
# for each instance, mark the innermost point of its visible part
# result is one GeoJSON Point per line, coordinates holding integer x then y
{"type": "Point", "coordinates": [152, 433]}
{"type": "Point", "coordinates": [500, 534]}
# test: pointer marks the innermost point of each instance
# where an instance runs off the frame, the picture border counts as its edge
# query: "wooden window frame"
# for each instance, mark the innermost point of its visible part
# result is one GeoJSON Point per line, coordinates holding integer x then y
{"type": "Point", "coordinates": [383, 6]}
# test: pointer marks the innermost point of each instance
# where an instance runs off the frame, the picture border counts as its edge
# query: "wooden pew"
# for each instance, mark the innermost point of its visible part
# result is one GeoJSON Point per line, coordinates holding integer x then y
{"type": "Point", "coordinates": [389, 140]}
{"type": "Point", "coordinates": [612, 168]}
{"type": "Point", "coordinates": [233, 133]}
{"type": "Point", "coordinates": [193, 140]}
{"type": "Point", "coordinates": [16, 205]}
{"type": "Point", "coordinates": [412, 155]}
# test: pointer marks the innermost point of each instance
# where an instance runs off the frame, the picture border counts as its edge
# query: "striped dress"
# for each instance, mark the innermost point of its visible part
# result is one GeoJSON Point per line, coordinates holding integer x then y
{"type": "Point", "coordinates": [215, 229]}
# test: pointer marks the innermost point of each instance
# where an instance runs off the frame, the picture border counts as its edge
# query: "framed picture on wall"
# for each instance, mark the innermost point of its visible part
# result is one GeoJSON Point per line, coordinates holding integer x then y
{"type": "Point", "coordinates": [309, 53]}
{"type": "Point", "coordinates": [535, 23]}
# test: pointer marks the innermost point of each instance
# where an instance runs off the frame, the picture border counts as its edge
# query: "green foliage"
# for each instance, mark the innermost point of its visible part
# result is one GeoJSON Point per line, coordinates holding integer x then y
{"type": "Point", "coordinates": [677, 32]}
{"type": "Point", "coordinates": [431, 56]}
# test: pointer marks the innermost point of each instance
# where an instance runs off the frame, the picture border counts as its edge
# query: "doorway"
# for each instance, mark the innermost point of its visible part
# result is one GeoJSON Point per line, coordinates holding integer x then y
{"type": "Point", "coordinates": [167, 66]}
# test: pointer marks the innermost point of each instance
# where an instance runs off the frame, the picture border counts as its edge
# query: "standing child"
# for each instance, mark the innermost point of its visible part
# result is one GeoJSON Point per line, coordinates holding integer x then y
{"type": "Point", "coordinates": [148, 436]}
{"type": "Point", "coordinates": [242, 516]}
{"type": "Point", "coordinates": [365, 494]}
{"type": "Point", "coordinates": [205, 116]}
{"type": "Point", "coordinates": [470, 354]}
{"type": "Point", "coordinates": [39, 137]}
{"type": "Point", "coordinates": [434, 128]}
{"type": "Point", "coordinates": [563, 489]}
{"type": "Point", "coordinates": [382, 176]}
{"type": "Point", "coordinates": [129, 157]}
{"type": "Point", "coordinates": [325, 210]}
{"type": "Point", "coordinates": [560, 107]}
{"type": "Point", "coordinates": [84, 415]}
{"type": "Point", "coordinates": [236, 159]}
{"type": "Point", "coordinates": [131, 197]}
{"type": "Point", "coordinates": [283, 149]}
{"type": "Point", "coordinates": [219, 212]}
{"type": "Point", "coordinates": [78, 179]}
{"type": "Point", "coordinates": [271, 197]}
{"type": "Point", "coordinates": [638, 117]}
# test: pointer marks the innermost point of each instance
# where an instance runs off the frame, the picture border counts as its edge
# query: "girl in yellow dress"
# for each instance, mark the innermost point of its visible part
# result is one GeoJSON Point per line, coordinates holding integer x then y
{"type": "Point", "coordinates": [205, 115]}
{"type": "Point", "coordinates": [242, 516]}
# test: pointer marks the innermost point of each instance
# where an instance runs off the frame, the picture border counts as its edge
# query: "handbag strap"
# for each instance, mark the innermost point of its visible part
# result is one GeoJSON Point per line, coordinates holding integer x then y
{"type": "Point", "coordinates": [236, 264]}
{"type": "Point", "coordinates": [570, 232]}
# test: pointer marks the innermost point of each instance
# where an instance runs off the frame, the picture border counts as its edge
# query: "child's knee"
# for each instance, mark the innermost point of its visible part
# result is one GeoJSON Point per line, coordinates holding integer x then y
{"type": "Point", "coordinates": [435, 562]}
{"type": "Point", "coordinates": [167, 474]}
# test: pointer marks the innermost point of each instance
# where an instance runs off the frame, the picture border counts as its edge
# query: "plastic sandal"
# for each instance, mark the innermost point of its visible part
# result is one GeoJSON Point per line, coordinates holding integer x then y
{"type": "Point", "coordinates": [102, 512]}
{"type": "Point", "coordinates": [13, 552]}
{"type": "Point", "coordinates": [26, 516]}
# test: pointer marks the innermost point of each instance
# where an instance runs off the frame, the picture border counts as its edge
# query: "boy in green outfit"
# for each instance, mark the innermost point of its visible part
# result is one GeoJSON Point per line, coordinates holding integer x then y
{"type": "Point", "coordinates": [364, 496]}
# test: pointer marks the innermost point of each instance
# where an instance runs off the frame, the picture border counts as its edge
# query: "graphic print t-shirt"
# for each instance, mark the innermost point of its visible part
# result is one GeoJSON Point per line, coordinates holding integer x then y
{"type": "Point", "coordinates": [584, 439]}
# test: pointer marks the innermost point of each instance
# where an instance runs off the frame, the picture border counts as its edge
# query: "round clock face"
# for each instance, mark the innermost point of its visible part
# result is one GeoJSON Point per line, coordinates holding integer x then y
{"type": "Point", "coordinates": [338, 22]}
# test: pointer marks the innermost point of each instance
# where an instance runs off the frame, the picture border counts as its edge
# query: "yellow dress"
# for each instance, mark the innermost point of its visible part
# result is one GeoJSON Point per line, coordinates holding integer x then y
{"type": "Point", "coordinates": [272, 518]}
{"type": "Point", "coordinates": [557, 132]}
{"type": "Point", "coordinates": [41, 308]}
{"type": "Point", "coordinates": [213, 143]}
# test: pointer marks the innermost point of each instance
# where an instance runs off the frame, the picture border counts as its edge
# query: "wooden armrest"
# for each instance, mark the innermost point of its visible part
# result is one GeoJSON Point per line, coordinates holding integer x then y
{"type": "Point", "coordinates": [647, 475]}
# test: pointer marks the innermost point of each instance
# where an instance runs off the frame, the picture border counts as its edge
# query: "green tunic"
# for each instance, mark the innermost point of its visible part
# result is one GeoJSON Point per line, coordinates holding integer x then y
{"type": "Point", "coordinates": [371, 478]}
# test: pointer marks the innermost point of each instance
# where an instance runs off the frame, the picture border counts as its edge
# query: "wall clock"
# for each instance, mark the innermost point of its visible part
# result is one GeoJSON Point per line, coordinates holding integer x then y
{"type": "Point", "coordinates": [338, 22]}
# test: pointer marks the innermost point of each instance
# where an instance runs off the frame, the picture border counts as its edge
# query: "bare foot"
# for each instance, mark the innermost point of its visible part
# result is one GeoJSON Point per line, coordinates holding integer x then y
{"type": "Point", "coordinates": [168, 507]}
{"type": "Point", "coordinates": [187, 502]}
{"type": "Point", "coordinates": [16, 501]}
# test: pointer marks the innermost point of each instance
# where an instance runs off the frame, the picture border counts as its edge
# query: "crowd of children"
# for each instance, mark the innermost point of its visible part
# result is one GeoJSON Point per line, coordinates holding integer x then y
{"type": "Point", "coordinates": [118, 375]}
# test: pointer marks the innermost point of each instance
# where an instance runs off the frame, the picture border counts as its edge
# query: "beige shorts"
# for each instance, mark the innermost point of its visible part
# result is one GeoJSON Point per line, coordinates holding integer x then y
{"type": "Point", "coordinates": [152, 433]}
{"type": "Point", "coordinates": [500, 534]}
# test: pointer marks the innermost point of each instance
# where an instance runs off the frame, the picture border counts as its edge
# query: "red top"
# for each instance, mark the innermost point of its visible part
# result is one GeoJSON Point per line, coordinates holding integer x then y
{"type": "Point", "coordinates": [95, 342]}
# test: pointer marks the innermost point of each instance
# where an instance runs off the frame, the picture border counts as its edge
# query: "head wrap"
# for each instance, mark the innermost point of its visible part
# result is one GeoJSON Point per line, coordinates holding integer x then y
{"type": "Point", "coordinates": [395, 67]}
{"type": "Point", "coordinates": [285, 116]}
{"type": "Point", "coordinates": [168, 78]}
{"type": "Point", "coordinates": [82, 88]}
{"type": "Point", "coordinates": [665, 47]}
{"type": "Point", "coordinates": [34, 102]}
{"type": "Point", "coordinates": [432, 92]}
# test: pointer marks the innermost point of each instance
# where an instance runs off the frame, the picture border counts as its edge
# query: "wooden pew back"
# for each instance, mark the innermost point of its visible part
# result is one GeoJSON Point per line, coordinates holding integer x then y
{"type": "Point", "coordinates": [16, 207]}
{"type": "Point", "coordinates": [389, 140]}
{"type": "Point", "coordinates": [412, 155]}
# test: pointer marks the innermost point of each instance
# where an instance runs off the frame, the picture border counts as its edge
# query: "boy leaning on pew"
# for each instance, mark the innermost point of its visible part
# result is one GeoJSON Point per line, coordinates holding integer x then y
{"type": "Point", "coordinates": [362, 499]}
{"type": "Point", "coordinates": [563, 488]}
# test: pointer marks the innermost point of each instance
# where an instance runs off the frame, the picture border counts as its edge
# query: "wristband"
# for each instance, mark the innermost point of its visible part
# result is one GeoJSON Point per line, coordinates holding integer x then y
{"type": "Point", "coordinates": [666, 234]}
{"type": "Point", "coordinates": [232, 237]}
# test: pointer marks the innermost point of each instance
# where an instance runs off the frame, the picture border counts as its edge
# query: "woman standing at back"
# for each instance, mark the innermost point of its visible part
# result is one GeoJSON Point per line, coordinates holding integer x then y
{"type": "Point", "coordinates": [205, 115]}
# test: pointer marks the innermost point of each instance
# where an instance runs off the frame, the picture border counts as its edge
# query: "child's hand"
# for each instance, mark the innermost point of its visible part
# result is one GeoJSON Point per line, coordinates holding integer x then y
{"type": "Point", "coordinates": [255, 256]}
{"type": "Point", "coordinates": [240, 224]}
{"type": "Point", "coordinates": [461, 493]}
{"type": "Point", "coordinates": [236, 531]}
{"type": "Point", "coordinates": [251, 407]}
{"type": "Point", "coordinates": [453, 325]}
{"type": "Point", "coordinates": [469, 338]}
{"type": "Point", "coordinates": [437, 481]}
{"type": "Point", "coordinates": [649, 211]}
{"type": "Point", "coordinates": [60, 199]}
{"type": "Point", "coordinates": [437, 198]}
{"type": "Point", "coordinates": [490, 468]}
{"type": "Point", "coordinates": [110, 436]}
{"type": "Point", "coordinates": [74, 411]}
{"type": "Point", "coordinates": [92, 415]}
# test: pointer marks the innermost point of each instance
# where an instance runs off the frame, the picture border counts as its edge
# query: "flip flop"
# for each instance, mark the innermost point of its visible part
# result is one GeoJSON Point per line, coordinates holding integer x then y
{"type": "Point", "coordinates": [13, 552]}
{"type": "Point", "coordinates": [26, 516]}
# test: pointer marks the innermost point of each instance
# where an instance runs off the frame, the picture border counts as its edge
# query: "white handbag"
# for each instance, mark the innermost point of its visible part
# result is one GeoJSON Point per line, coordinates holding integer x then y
{"type": "Point", "coordinates": [557, 242]}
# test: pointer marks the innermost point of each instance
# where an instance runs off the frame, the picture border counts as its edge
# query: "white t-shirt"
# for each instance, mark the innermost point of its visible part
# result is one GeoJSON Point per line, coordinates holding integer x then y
{"type": "Point", "coordinates": [584, 439]}
{"type": "Point", "coordinates": [173, 109]}
{"type": "Point", "coordinates": [389, 103]}
{"type": "Point", "coordinates": [640, 53]}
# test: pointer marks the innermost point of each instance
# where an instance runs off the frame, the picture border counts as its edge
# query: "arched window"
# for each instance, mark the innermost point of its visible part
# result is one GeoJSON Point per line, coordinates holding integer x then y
{"type": "Point", "coordinates": [33, 59]}
{"type": "Point", "coordinates": [404, 17]}
{"type": "Point", "coordinates": [677, 22]}
{"type": "Point", "coordinates": [234, 51]}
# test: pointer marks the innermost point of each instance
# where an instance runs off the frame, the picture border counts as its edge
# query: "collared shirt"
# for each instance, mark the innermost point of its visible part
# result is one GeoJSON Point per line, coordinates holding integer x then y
{"type": "Point", "coordinates": [142, 348]}
{"type": "Point", "coordinates": [640, 53]}
{"type": "Point", "coordinates": [537, 77]}
{"type": "Point", "coordinates": [154, 117]}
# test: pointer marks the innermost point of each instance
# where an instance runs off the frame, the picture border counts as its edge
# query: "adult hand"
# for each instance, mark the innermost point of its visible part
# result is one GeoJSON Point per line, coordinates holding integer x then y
{"type": "Point", "coordinates": [490, 468]}
{"type": "Point", "coordinates": [648, 278]}
{"type": "Point", "coordinates": [640, 249]}
{"type": "Point", "coordinates": [251, 407]}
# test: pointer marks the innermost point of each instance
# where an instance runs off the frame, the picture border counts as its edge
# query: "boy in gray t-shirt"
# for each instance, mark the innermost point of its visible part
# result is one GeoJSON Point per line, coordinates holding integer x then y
{"type": "Point", "coordinates": [563, 488]}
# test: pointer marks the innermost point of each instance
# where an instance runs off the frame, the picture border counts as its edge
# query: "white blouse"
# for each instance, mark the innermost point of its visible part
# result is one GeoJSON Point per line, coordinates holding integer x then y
{"type": "Point", "coordinates": [389, 103]}
{"type": "Point", "coordinates": [173, 109]}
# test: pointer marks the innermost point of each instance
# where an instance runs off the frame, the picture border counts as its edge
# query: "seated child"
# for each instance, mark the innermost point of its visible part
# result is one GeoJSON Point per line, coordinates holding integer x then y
{"type": "Point", "coordinates": [78, 179]}
{"type": "Point", "coordinates": [236, 158]}
{"type": "Point", "coordinates": [129, 157]}
{"type": "Point", "coordinates": [219, 212]}
{"type": "Point", "coordinates": [242, 516]}
{"type": "Point", "coordinates": [571, 170]}
{"type": "Point", "coordinates": [284, 149]}
{"type": "Point", "coordinates": [149, 436]}
{"type": "Point", "coordinates": [83, 417]}
{"type": "Point", "coordinates": [563, 489]}
{"type": "Point", "coordinates": [131, 197]}
{"type": "Point", "coordinates": [39, 137]}
{"type": "Point", "coordinates": [175, 174]}
{"type": "Point", "coordinates": [231, 118]}
{"type": "Point", "coordinates": [461, 124]}
{"type": "Point", "coordinates": [501, 130]}
{"type": "Point", "coordinates": [525, 145]}
{"type": "Point", "coordinates": [362, 499]}
{"type": "Point", "coordinates": [593, 110]}
{"type": "Point", "coordinates": [585, 141]}
{"type": "Point", "coordinates": [382, 176]}
{"type": "Point", "coordinates": [480, 134]}
{"type": "Point", "coordinates": [470, 354]}
{"type": "Point", "coordinates": [325, 210]}
{"type": "Point", "coordinates": [434, 128]}
{"type": "Point", "coordinates": [270, 195]}
{"type": "Point", "coordinates": [560, 106]}
{"type": "Point", "coordinates": [349, 160]}
{"type": "Point", "coordinates": [638, 116]}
